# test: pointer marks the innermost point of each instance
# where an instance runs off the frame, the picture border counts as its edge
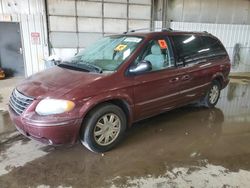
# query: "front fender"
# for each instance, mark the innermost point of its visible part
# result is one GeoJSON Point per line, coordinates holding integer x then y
{"type": "Point", "coordinates": [106, 97]}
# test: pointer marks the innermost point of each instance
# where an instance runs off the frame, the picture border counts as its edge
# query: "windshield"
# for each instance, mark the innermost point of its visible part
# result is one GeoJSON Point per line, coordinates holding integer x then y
{"type": "Point", "coordinates": [106, 54]}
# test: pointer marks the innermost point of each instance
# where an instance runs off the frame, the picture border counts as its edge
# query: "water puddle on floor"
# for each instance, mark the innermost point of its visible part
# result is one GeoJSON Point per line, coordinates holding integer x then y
{"type": "Point", "coordinates": [6, 126]}
{"type": "Point", "coordinates": [19, 153]}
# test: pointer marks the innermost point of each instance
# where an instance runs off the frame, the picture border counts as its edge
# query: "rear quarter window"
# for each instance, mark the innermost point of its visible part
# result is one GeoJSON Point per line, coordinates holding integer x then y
{"type": "Point", "coordinates": [193, 49]}
{"type": "Point", "coordinates": [187, 47]}
{"type": "Point", "coordinates": [213, 47]}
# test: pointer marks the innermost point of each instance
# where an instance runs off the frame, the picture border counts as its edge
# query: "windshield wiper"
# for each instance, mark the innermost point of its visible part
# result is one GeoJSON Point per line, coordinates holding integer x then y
{"type": "Point", "coordinates": [95, 68]}
{"type": "Point", "coordinates": [81, 65]}
{"type": "Point", "coordinates": [72, 66]}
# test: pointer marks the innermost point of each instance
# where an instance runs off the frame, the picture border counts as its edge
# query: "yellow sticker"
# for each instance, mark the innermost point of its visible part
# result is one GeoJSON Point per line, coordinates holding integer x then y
{"type": "Point", "coordinates": [120, 47]}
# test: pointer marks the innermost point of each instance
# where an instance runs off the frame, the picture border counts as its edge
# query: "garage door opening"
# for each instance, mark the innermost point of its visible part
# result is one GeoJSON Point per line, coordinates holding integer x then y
{"type": "Point", "coordinates": [11, 58]}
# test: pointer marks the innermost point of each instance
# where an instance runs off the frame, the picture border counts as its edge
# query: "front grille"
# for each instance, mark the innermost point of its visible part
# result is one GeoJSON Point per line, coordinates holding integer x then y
{"type": "Point", "coordinates": [19, 102]}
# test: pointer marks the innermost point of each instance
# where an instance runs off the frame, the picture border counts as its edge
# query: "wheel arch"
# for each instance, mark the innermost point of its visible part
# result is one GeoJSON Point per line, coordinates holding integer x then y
{"type": "Point", "coordinates": [124, 104]}
{"type": "Point", "coordinates": [219, 78]}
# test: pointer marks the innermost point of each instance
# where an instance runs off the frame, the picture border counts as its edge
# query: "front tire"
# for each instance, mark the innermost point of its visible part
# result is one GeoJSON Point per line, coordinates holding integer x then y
{"type": "Point", "coordinates": [103, 128]}
{"type": "Point", "coordinates": [212, 95]}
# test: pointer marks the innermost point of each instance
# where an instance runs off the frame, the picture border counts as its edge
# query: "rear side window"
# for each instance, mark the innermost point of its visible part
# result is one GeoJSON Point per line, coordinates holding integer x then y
{"type": "Point", "coordinates": [212, 47]}
{"type": "Point", "coordinates": [187, 47]}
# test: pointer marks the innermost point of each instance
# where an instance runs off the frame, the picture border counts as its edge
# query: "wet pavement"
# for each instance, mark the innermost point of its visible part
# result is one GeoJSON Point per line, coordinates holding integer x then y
{"type": "Point", "coordinates": [6, 125]}
{"type": "Point", "coordinates": [187, 147]}
{"type": "Point", "coordinates": [6, 87]}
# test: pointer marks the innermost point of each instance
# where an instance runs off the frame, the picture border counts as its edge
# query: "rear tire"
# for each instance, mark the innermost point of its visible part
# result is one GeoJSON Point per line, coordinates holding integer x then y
{"type": "Point", "coordinates": [103, 128]}
{"type": "Point", "coordinates": [212, 96]}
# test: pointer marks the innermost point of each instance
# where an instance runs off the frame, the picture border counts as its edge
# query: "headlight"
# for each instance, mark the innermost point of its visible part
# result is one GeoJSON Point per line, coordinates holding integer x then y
{"type": "Point", "coordinates": [54, 106]}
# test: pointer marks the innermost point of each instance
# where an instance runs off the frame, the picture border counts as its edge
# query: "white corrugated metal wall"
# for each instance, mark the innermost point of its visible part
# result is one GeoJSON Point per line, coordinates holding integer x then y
{"type": "Point", "coordinates": [73, 25]}
{"type": "Point", "coordinates": [32, 18]}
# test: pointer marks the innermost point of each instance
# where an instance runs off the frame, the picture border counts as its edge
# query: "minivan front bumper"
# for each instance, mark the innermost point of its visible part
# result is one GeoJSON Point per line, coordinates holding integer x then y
{"type": "Point", "coordinates": [56, 133]}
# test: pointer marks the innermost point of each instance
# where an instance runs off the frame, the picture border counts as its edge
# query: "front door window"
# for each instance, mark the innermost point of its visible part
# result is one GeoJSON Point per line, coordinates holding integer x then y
{"type": "Point", "coordinates": [159, 54]}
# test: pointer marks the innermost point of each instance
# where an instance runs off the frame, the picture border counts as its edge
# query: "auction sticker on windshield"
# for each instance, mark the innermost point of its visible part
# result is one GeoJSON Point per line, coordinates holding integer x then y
{"type": "Point", "coordinates": [120, 47]}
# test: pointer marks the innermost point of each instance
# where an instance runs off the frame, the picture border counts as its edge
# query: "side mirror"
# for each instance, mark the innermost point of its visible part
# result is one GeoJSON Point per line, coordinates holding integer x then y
{"type": "Point", "coordinates": [142, 66]}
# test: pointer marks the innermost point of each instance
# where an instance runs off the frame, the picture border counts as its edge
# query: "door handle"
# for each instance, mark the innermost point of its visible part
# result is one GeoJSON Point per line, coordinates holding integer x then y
{"type": "Point", "coordinates": [185, 77]}
{"type": "Point", "coordinates": [174, 79]}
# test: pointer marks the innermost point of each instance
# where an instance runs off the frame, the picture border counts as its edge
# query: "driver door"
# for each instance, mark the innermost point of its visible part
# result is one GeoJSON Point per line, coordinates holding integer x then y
{"type": "Point", "coordinates": [158, 90]}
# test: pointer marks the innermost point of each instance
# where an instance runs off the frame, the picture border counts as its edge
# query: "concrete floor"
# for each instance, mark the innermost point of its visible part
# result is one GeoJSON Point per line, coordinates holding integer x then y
{"type": "Point", "coordinates": [6, 127]}
{"type": "Point", "coordinates": [187, 147]}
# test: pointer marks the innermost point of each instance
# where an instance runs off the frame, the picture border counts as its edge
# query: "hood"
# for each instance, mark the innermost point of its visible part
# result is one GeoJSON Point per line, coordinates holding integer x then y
{"type": "Point", "coordinates": [57, 82]}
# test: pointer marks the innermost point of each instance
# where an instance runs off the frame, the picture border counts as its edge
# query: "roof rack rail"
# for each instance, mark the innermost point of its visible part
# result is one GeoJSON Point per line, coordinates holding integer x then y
{"type": "Point", "coordinates": [148, 29]}
{"type": "Point", "coordinates": [134, 30]}
{"type": "Point", "coordinates": [207, 32]}
{"type": "Point", "coordinates": [167, 29]}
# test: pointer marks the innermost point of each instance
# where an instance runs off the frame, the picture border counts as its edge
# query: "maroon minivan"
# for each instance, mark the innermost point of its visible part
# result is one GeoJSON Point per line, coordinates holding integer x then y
{"type": "Point", "coordinates": [97, 94]}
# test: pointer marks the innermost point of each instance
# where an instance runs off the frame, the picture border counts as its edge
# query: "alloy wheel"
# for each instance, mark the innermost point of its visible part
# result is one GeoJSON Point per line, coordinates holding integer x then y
{"type": "Point", "coordinates": [107, 129]}
{"type": "Point", "coordinates": [214, 94]}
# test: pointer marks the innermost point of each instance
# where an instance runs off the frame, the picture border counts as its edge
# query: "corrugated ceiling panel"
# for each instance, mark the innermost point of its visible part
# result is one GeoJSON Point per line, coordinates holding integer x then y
{"type": "Point", "coordinates": [61, 23]}
{"type": "Point", "coordinates": [116, 1]}
{"type": "Point", "coordinates": [86, 39]}
{"type": "Point", "coordinates": [66, 8]}
{"type": "Point", "coordinates": [175, 10]}
{"type": "Point", "coordinates": [140, 1]}
{"type": "Point", "coordinates": [89, 9]}
{"type": "Point", "coordinates": [138, 24]}
{"type": "Point", "coordinates": [89, 24]}
{"type": "Point", "coordinates": [63, 53]}
{"type": "Point", "coordinates": [63, 39]}
{"type": "Point", "coordinates": [191, 10]}
{"type": "Point", "coordinates": [139, 12]}
{"type": "Point", "coordinates": [241, 12]}
{"type": "Point", "coordinates": [208, 11]}
{"type": "Point", "coordinates": [114, 26]}
{"type": "Point", "coordinates": [112, 10]}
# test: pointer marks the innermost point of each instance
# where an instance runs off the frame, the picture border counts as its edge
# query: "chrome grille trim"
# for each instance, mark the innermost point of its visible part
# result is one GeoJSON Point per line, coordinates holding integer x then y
{"type": "Point", "coordinates": [19, 102]}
